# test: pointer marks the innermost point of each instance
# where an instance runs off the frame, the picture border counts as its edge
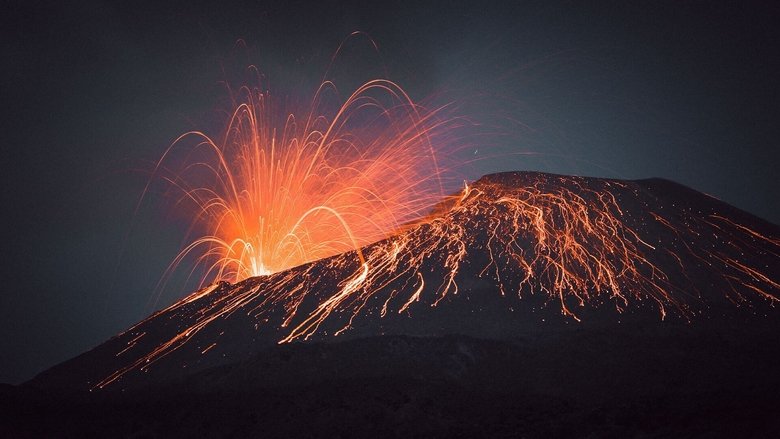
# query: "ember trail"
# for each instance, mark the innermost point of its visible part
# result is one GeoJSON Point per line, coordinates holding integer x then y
{"type": "Point", "coordinates": [280, 189]}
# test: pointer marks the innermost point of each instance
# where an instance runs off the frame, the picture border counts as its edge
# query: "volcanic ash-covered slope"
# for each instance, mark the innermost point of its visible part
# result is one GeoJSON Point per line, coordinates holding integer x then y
{"type": "Point", "coordinates": [513, 255]}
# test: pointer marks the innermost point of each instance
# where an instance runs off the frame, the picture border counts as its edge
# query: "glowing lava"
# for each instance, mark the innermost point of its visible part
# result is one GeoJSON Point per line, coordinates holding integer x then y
{"type": "Point", "coordinates": [576, 242]}
{"type": "Point", "coordinates": [276, 192]}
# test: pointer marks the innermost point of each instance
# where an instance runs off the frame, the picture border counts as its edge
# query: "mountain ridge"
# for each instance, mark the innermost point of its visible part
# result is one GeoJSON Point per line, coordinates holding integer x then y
{"type": "Point", "coordinates": [224, 323]}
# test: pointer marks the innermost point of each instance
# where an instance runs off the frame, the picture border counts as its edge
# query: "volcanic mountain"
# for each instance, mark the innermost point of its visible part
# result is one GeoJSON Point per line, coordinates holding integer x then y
{"type": "Point", "coordinates": [569, 295]}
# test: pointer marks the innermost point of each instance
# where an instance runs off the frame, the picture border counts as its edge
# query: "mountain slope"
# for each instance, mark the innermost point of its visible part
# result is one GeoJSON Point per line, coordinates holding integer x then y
{"type": "Point", "coordinates": [514, 255]}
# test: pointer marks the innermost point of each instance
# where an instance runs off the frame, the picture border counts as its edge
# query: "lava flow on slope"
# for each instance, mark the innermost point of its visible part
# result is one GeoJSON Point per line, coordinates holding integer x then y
{"type": "Point", "coordinates": [522, 248]}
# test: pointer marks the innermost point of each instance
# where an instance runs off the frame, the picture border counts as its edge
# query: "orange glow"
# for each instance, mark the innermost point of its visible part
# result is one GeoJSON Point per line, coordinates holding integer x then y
{"type": "Point", "coordinates": [275, 193]}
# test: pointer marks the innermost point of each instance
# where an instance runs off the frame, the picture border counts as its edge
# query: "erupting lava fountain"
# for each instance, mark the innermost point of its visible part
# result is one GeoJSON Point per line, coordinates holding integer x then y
{"type": "Point", "coordinates": [277, 192]}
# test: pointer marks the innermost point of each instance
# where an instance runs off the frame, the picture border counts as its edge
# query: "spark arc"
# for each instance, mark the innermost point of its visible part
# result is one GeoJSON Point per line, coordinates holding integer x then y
{"type": "Point", "coordinates": [279, 189]}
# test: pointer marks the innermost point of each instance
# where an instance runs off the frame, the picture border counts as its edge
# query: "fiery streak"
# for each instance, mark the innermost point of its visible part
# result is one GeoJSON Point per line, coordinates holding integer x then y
{"type": "Point", "coordinates": [564, 237]}
{"type": "Point", "coordinates": [272, 194]}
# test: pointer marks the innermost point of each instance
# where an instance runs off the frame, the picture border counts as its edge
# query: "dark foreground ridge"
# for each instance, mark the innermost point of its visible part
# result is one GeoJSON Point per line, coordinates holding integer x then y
{"type": "Point", "coordinates": [652, 313]}
{"type": "Point", "coordinates": [650, 382]}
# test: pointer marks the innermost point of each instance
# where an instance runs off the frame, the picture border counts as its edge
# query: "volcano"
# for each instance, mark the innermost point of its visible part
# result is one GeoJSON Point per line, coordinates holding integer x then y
{"type": "Point", "coordinates": [527, 304]}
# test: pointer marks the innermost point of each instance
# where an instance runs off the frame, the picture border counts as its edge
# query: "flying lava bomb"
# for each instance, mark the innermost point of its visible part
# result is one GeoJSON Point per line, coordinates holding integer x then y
{"type": "Point", "coordinates": [269, 196]}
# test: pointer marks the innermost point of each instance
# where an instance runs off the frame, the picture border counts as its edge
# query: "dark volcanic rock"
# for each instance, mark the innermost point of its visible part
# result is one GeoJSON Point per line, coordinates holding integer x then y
{"type": "Point", "coordinates": [656, 382]}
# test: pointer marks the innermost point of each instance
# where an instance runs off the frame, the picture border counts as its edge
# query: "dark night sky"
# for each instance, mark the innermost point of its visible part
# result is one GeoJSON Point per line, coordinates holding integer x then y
{"type": "Point", "coordinates": [682, 90]}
